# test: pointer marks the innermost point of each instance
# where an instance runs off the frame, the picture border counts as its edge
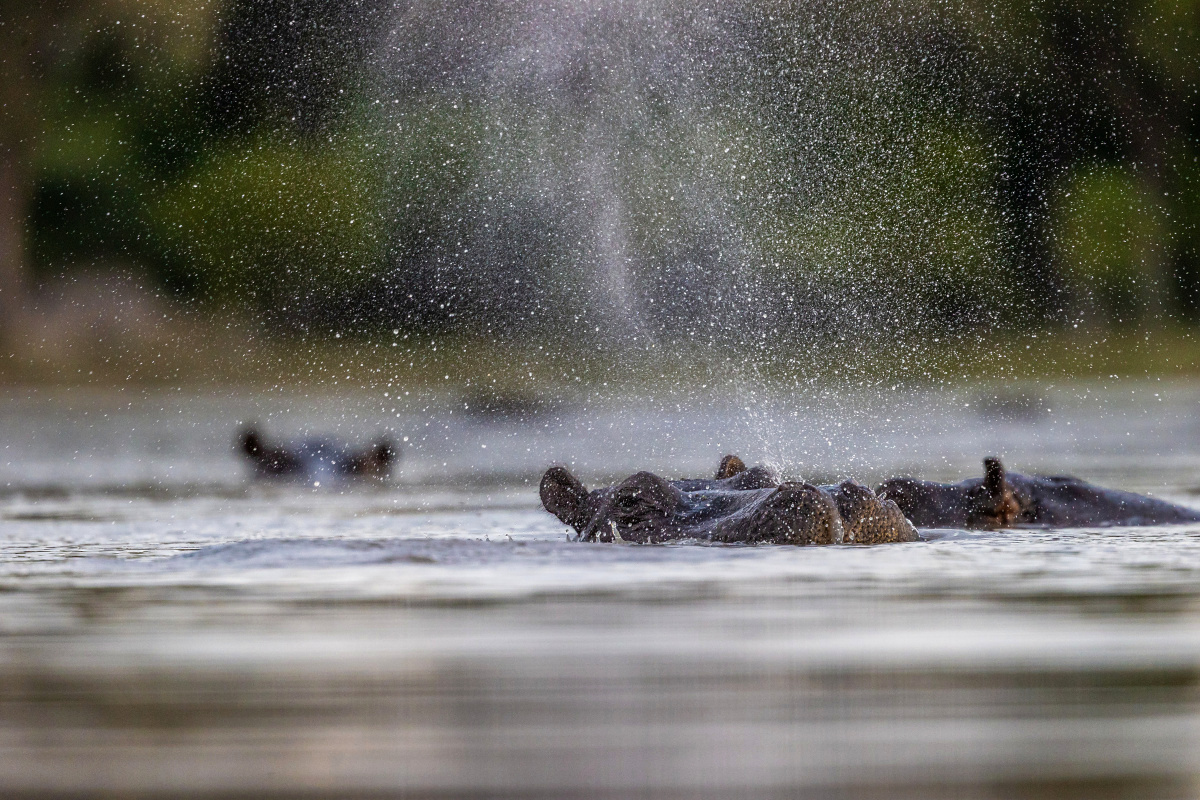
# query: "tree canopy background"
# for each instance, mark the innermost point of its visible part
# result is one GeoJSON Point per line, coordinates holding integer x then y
{"type": "Point", "coordinates": [611, 169]}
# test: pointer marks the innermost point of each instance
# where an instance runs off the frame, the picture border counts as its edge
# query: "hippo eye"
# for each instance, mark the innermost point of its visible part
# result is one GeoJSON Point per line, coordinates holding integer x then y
{"type": "Point", "coordinates": [629, 501]}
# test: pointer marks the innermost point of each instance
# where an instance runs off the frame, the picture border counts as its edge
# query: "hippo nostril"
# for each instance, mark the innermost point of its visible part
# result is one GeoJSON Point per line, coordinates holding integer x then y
{"type": "Point", "coordinates": [868, 518]}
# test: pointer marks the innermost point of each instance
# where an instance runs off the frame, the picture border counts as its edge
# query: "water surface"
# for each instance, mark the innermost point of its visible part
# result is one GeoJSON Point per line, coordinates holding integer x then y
{"type": "Point", "coordinates": [168, 628]}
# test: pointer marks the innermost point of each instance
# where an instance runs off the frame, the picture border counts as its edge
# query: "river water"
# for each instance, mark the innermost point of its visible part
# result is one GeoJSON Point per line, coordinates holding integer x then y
{"type": "Point", "coordinates": [168, 628]}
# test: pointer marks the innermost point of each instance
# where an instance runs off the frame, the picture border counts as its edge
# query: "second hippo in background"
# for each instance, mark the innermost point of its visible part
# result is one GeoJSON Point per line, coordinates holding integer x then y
{"type": "Point", "coordinates": [316, 460]}
{"type": "Point", "coordinates": [1001, 499]}
{"type": "Point", "coordinates": [738, 505]}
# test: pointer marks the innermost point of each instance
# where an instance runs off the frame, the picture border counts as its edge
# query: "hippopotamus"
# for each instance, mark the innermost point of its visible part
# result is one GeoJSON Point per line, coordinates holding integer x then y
{"type": "Point", "coordinates": [737, 505]}
{"type": "Point", "coordinates": [317, 459]}
{"type": "Point", "coordinates": [1001, 499]}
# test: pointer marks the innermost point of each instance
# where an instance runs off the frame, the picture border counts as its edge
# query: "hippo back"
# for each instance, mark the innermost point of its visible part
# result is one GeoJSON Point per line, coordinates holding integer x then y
{"type": "Point", "coordinates": [1063, 501]}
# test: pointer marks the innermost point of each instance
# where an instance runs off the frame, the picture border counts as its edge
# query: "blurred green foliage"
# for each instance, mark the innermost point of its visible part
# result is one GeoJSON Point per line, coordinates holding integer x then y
{"type": "Point", "coordinates": [1009, 162]}
{"type": "Point", "coordinates": [1112, 242]}
{"type": "Point", "coordinates": [118, 127]}
{"type": "Point", "coordinates": [268, 222]}
{"type": "Point", "coordinates": [923, 225]}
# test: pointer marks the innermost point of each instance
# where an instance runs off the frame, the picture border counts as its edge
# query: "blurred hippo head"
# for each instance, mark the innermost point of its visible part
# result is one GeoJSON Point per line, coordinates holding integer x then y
{"type": "Point", "coordinates": [316, 458]}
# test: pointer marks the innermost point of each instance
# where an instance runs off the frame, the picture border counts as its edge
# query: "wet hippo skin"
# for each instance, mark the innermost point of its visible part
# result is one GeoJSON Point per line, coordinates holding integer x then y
{"type": "Point", "coordinates": [1001, 499]}
{"type": "Point", "coordinates": [738, 505]}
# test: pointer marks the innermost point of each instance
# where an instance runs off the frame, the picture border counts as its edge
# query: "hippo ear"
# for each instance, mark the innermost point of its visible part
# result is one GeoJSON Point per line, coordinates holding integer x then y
{"type": "Point", "coordinates": [384, 451]}
{"type": "Point", "coordinates": [563, 496]}
{"type": "Point", "coordinates": [250, 441]}
{"type": "Point", "coordinates": [730, 465]}
{"type": "Point", "coordinates": [993, 476]}
{"type": "Point", "coordinates": [993, 504]}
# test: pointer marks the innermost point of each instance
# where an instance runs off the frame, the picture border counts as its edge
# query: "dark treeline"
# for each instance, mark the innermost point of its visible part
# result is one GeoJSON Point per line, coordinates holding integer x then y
{"type": "Point", "coordinates": [611, 167]}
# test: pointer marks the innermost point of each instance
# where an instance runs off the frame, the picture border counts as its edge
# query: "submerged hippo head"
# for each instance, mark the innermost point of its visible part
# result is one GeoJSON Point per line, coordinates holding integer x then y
{"type": "Point", "coordinates": [640, 501]}
{"type": "Point", "coordinates": [739, 505]}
